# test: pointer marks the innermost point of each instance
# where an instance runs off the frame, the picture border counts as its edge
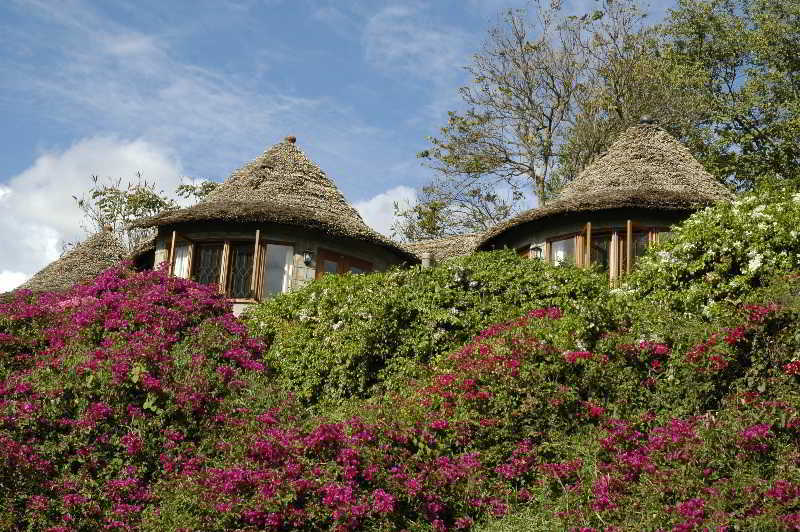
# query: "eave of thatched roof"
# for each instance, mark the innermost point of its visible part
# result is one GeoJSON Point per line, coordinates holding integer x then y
{"type": "Point", "coordinates": [645, 168]}
{"type": "Point", "coordinates": [446, 247]}
{"type": "Point", "coordinates": [282, 186]}
{"type": "Point", "coordinates": [82, 263]}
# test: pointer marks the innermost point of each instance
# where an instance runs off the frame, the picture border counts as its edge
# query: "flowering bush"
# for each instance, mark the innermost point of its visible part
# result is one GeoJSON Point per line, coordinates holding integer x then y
{"type": "Point", "coordinates": [106, 388]}
{"type": "Point", "coordinates": [721, 253]}
{"type": "Point", "coordinates": [138, 402]}
{"type": "Point", "coordinates": [520, 416]}
{"type": "Point", "coordinates": [342, 335]}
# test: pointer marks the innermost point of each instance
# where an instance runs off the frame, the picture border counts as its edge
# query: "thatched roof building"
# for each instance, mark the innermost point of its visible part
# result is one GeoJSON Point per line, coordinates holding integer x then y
{"type": "Point", "coordinates": [82, 263]}
{"type": "Point", "coordinates": [617, 206]}
{"type": "Point", "coordinates": [446, 247]}
{"type": "Point", "coordinates": [275, 224]}
{"type": "Point", "coordinates": [645, 168]}
{"type": "Point", "coordinates": [283, 186]}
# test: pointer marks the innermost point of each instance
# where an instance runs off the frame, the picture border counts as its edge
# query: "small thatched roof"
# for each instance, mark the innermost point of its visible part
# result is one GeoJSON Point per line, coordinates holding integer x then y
{"type": "Point", "coordinates": [446, 247]}
{"type": "Point", "coordinates": [282, 185]}
{"type": "Point", "coordinates": [82, 263]}
{"type": "Point", "coordinates": [645, 168]}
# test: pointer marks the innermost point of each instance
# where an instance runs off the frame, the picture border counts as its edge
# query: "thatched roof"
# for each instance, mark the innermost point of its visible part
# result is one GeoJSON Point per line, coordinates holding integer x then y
{"type": "Point", "coordinates": [446, 247]}
{"type": "Point", "coordinates": [82, 263]}
{"type": "Point", "coordinates": [282, 185]}
{"type": "Point", "coordinates": [645, 168]}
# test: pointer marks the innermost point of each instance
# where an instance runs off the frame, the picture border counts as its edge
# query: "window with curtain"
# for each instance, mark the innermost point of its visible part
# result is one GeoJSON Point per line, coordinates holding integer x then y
{"type": "Point", "coordinates": [563, 251]}
{"type": "Point", "coordinates": [180, 263]}
{"type": "Point", "coordinates": [276, 275]}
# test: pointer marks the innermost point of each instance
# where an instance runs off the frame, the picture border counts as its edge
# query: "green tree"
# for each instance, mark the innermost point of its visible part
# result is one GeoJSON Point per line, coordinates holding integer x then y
{"type": "Point", "coordinates": [749, 51]}
{"type": "Point", "coordinates": [548, 91]}
{"type": "Point", "coordinates": [108, 204]}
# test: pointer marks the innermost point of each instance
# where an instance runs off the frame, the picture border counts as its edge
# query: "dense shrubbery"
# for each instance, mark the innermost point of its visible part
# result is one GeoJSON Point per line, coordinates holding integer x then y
{"type": "Point", "coordinates": [103, 390]}
{"type": "Point", "coordinates": [343, 334]}
{"type": "Point", "coordinates": [139, 402]}
{"type": "Point", "coordinates": [719, 255]}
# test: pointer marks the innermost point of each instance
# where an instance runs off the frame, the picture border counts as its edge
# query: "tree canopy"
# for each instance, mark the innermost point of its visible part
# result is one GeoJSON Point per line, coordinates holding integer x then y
{"type": "Point", "coordinates": [549, 92]}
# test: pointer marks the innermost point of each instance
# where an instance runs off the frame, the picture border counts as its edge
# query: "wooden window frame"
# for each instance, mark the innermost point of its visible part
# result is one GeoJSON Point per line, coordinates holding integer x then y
{"type": "Point", "coordinates": [343, 262]}
{"type": "Point", "coordinates": [548, 245]}
{"type": "Point", "coordinates": [263, 250]}
{"type": "Point", "coordinates": [171, 260]}
{"type": "Point", "coordinates": [224, 280]}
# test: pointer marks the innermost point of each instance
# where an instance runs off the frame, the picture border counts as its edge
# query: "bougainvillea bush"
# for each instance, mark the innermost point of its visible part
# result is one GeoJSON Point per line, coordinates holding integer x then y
{"type": "Point", "coordinates": [105, 388]}
{"type": "Point", "coordinates": [523, 417]}
{"type": "Point", "coordinates": [342, 335]}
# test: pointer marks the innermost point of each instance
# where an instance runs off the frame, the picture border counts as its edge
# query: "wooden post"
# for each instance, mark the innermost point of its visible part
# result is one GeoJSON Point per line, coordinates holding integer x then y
{"type": "Point", "coordinates": [547, 252]}
{"type": "Point", "coordinates": [172, 252]}
{"type": "Point", "coordinates": [614, 256]}
{"type": "Point", "coordinates": [588, 261]}
{"type": "Point", "coordinates": [629, 247]}
{"type": "Point", "coordinates": [223, 270]}
{"type": "Point", "coordinates": [254, 277]}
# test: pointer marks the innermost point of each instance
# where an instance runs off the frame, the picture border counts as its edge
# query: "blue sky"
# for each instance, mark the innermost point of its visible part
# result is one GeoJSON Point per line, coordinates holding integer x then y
{"type": "Point", "coordinates": [195, 89]}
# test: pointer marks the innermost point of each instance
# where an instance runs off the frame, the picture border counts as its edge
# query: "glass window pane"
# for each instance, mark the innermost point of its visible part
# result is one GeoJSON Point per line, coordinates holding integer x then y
{"type": "Point", "coordinates": [180, 266]}
{"type": "Point", "coordinates": [241, 269]}
{"type": "Point", "coordinates": [563, 251]}
{"type": "Point", "coordinates": [600, 252]}
{"type": "Point", "coordinates": [277, 272]}
{"type": "Point", "coordinates": [664, 236]}
{"type": "Point", "coordinates": [639, 244]}
{"type": "Point", "coordinates": [330, 266]}
{"type": "Point", "coordinates": [206, 264]}
{"type": "Point", "coordinates": [356, 270]}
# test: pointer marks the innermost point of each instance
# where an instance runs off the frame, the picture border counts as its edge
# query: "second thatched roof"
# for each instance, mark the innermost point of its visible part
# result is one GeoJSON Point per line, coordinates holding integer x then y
{"type": "Point", "coordinates": [85, 261]}
{"type": "Point", "coordinates": [446, 247]}
{"type": "Point", "coordinates": [645, 168]}
{"type": "Point", "coordinates": [282, 185]}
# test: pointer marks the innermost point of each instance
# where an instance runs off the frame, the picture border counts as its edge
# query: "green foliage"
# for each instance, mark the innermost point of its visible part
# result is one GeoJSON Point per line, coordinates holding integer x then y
{"type": "Point", "coordinates": [748, 51]}
{"type": "Point", "coordinates": [342, 335]}
{"type": "Point", "coordinates": [718, 256]}
{"type": "Point", "coordinates": [109, 204]}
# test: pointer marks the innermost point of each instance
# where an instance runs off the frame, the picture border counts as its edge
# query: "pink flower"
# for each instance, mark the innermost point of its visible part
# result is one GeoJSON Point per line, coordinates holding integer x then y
{"type": "Point", "coordinates": [574, 356]}
{"type": "Point", "coordinates": [440, 424]}
{"type": "Point", "coordinates": [382, 501]}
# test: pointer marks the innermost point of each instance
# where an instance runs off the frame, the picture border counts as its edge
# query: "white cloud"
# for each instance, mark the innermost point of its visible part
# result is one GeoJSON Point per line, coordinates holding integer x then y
{"type": "Point", "coordinates": [403, 41]}
{"type": "Point", "coordinates": [37, 211]}
{"type": "Point", "coordinates": [11, 280]}
{"type": "Point", "coordinates": [378, 212]}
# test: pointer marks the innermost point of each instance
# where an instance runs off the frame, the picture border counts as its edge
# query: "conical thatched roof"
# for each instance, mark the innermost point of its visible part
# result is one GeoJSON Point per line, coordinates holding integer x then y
{"type": "Point", "coordinates": [645, 168]}
{"type": "Point", "coordinates": [282, 185]}
{"type": "Point", "coordinates": [446, 247]}
{"type": "Point", "coordinates": [82, 263]}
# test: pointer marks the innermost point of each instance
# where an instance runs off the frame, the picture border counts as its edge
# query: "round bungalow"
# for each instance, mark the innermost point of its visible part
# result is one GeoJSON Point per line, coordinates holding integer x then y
{"type": "Point", "coordinates": [622, 202]}
{"type": "Point", "coordinates": [275, 224]}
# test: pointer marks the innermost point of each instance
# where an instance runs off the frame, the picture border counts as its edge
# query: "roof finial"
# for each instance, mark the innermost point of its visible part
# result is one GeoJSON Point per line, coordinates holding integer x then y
{"type": "Point", "coordinates": [647, 119]}
{"type": "Point", "coordinates": [291, 139]}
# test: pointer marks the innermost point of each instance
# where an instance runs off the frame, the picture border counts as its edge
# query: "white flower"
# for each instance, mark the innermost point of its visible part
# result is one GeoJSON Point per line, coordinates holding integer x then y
{"type": "Point", "coordinates": [336, 326]}
{"type": "Point", "coordinates": [796, 198]}
{"type": "Point", "coordinates": [756, 260]}
{"type": "Point", "coordinates": [667, 257]}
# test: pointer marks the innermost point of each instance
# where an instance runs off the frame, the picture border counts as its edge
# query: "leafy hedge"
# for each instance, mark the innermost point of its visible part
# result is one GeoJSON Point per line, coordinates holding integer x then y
{"type": "Point", "coordinates": [342, 335]}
